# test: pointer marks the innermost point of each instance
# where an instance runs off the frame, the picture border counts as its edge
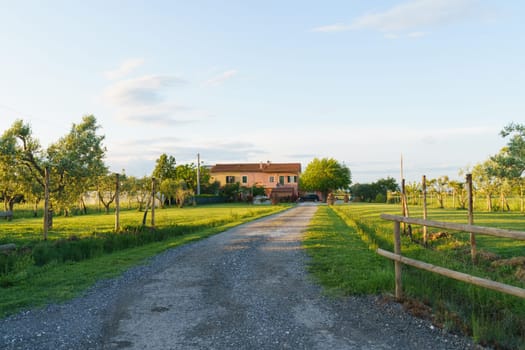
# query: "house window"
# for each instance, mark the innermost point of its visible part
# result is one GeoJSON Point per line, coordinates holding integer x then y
{"type": "Point", "coordinates": [244, 179]}
{"type": "Point", "coordinates": [230, 179]}
{"type": "Point", "coordinates": [271, 179]}
{"type": "Point", "coordinates": [281, 180]}
{"type": "Point", "coordinates": [295, 178]}
{"type": "Point", "coordinates": [289, 179]}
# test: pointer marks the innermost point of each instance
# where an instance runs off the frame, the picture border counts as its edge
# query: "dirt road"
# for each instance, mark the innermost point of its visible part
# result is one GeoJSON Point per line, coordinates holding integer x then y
{"type": "Point", "coordinates": [247, 288]}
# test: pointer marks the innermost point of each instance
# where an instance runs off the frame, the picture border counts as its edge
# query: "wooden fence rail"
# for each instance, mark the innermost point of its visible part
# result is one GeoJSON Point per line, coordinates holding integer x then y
{"type": "Point", "coordinates": [399, 259]}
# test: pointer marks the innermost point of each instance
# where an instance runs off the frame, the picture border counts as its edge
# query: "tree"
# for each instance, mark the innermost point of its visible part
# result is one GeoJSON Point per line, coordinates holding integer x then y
{"type": "Point", "coordinates": [484, 181]}
{"type": "Point", "coordinates": [325, 175]}
{"type": "Point", "coordinates": [165, 167]}
{"type": "Point", "coordinates": [439, 187]}
{"type": "Point", "coordinates": [188, 174]}
{"type": "Point", "coordinates": [511, 159]}
{"type": "Point", "coordinates": [375, 191]}
{"type": "Point", "coordinates": [106, 190]}
{"type": "Point", "coordinates": [74, 160]}
{"type": "Point", "coordinates": [459, 192]}
{"type": "Point", "coordinates": [169, 187]}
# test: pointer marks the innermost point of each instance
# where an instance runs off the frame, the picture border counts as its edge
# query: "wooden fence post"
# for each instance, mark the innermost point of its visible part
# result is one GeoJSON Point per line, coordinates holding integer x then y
{"type": "Point", "coordinates": [117, 202]}
{"type": "Point", "coordinates": [46, 201]}
{"type": "Point", "coordinates": [473, 248]}
{"type": "Point", "coordinates": [153, 201]}
{"type": "Point", "coordinates": [425, 214]}
{"type": "Point", "coordinates": [397, 264]}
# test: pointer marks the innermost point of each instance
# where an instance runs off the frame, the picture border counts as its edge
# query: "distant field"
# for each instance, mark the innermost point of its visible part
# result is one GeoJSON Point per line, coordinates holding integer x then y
{"type": "Point", "coordinates": [27, 229]}
{"type": "Point", "coordinates": [505, 220]}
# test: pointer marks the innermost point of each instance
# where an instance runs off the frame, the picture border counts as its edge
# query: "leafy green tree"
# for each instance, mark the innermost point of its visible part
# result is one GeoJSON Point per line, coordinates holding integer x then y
{"type": "Point", "coordinates": [106, 190]}
{"type": "Point", "coordinates": [509, 163]}
{"type": "Point", "coordinates": [325, 175]}
{"type": "Point", "coordinates": [169, 188]}
{"type": "Point", "coordinates": [375, 191]}
{"type": "Point", "coordinates": [459, 192]}
{"type": "Point", "coordinates": [511, 159]}
{"type": "Point", "coordinates": [74, 161]}
{"type": "Point", "coordinates": [363, 192]}
{"type": "Point", "coordinates": [413, 191]}
{"type": "Point", "coordinates": [188, 174]}
{"type": "Point", "coordinates": [141, 188]}
{"type": "Point", "coordinates": [11, 186]}
{"type": "Point", "coordinates": [387, 184]}
{"type": "Point", "coordinates": [165, 167]}
{"type": "Point", "coordinates": [231, 191]}
{"type": "Point", "coordinates": [484, 180]}
{"type": "Point", "coordinates": [439, 187]}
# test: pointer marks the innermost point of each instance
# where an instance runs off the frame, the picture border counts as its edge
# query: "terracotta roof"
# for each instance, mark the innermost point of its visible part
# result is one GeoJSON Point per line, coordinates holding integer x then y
{"type": "Point", "coordinates": [257, 168]}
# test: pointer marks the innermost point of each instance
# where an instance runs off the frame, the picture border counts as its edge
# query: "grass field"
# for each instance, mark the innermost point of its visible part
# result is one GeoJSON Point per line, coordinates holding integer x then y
{"type": "Point", "coordinates": [24, 284]}
{"type": "Point", "coordinates": [27, 229]}
{"type": "Point", "coordinates": [342, 240]}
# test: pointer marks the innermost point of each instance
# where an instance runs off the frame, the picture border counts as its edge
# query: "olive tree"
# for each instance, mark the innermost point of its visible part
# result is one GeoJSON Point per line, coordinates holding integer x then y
{"type": "Point", "coordinates": [74, 161]}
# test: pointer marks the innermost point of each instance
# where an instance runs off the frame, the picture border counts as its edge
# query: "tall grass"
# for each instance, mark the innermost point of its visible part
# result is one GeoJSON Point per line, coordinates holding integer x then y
{"type": "Point", "coordinates": [491, 318]}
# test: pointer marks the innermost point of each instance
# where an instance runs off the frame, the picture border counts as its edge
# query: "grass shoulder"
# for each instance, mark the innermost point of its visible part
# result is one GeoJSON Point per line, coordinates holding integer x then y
{"type": "Point", "coordinates": [54, 282]}
{"type": "Point", "coordinates": [340, 260]}
{"type": "Point", "coordinates": [490, 317]}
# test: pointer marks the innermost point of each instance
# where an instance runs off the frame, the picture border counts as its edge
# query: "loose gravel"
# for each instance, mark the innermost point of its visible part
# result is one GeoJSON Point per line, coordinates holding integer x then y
{"type": "Point", "coordinates": [246, 288]}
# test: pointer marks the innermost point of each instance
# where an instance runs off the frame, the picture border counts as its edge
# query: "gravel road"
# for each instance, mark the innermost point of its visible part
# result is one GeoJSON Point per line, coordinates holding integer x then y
{"type": "Point", "coordinates": [246, 288]}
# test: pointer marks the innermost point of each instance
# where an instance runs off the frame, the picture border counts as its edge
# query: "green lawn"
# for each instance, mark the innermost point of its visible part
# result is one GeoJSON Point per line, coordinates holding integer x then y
{"type": "Point", "coordinates": [342, 261]}
{"type": "Point", "coordinates": [26, 285]}
{"type": "Point", "coordinates": [369, 213]}
{"type": "Point", "coordinates": [342, 240]}
{"type": "Point", "coordinates": [25, 229]}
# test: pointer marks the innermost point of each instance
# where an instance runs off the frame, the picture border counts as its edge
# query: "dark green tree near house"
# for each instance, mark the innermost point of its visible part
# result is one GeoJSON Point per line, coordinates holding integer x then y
{"type": "Point", "coordinates": [375, 191]}
{"type": "Point", "coordinates": [325, 175]}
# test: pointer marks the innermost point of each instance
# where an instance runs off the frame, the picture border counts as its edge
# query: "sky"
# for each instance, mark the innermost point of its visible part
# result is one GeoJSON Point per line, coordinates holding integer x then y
{"type": "Point", "coordinates": [364, 82]}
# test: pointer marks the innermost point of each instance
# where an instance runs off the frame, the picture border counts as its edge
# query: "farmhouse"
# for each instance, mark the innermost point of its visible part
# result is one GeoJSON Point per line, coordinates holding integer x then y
{"type": "Point", "coordinates": [279, 179]}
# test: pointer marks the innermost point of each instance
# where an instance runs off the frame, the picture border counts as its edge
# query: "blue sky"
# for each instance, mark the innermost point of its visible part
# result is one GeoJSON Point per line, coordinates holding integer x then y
{"type": "Point", "coordinates": [285, 81]}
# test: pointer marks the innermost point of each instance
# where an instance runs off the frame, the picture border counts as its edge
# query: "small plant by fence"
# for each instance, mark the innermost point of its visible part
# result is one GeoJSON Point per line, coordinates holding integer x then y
{"type": "Point", "coordinates": [399, 259]}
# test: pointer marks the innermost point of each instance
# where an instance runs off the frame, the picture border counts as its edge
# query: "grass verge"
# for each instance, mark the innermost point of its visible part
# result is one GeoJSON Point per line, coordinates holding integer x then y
{"type": "Point", "coordinates": [341, 260]}
{"type": "Point", "coordinates": [491, 318]}
{"type": "Point", "coordinates": [57, 282]}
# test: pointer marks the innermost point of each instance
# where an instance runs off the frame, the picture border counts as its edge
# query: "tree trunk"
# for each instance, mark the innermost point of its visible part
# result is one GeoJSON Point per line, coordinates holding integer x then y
{"type": "Point", "coordinates": [11, 204]}
{"type": "Point", "coordinates": [144, 218]}
{"type": "Point", "coordinates": [522, 202]}
{"type": "Point", "coordinates": [83, 205]}
{"type": "Point", "coordinates": [35, 208]}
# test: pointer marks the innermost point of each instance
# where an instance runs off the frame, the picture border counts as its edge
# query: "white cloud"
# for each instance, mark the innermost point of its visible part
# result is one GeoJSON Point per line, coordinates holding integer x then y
{"type": "Point", "coordinates": [143, 100]}
{"type": "Point", "coordinates": [145, 90]}
{"type": "Point", "coordinates": [338, 27]}
{"type": "Point", "coordinates": [221, 78]}
{"type": "Point", "coordinates": [160, 114]}
{"type": "Point", "coordinates": [124, 69]}
{"type": "Point", "coordinates": [416, 14]}
{"type": "Point", "coordinates": [410, 16]}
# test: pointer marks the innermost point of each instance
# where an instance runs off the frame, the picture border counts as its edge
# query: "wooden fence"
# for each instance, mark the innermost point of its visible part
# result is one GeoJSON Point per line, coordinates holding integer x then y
{"type": "Point", "coordinates": [482, 282]}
